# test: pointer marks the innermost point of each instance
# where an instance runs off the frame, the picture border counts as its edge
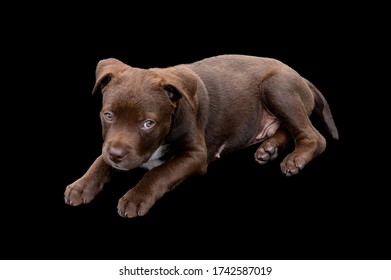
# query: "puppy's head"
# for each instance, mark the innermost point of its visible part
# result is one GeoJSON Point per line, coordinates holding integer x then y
{"type": "Point", "coordinates": [137, 111]}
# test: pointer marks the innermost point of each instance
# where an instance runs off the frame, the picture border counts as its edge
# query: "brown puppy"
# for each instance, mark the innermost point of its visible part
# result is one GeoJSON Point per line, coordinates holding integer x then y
{"type": "Point", "coordinates": [174, 121]}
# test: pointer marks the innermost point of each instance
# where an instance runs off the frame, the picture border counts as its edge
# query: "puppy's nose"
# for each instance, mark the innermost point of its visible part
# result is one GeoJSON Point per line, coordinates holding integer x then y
{"type": "Point", "coordinates": [117, 154]}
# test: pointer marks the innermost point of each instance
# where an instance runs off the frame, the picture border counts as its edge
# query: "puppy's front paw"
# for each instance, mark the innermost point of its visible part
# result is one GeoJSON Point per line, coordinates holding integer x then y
{"type": "Point", "coordinates": [81, 191]}
{"type": "Point", "coordinates": [135, 203]}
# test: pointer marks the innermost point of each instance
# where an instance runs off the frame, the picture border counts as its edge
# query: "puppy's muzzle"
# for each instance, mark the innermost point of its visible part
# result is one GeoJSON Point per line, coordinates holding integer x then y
{"type": "Point", "coordinates": [117, 154]}
{"type": "Point", "coordinates": [122, 157]}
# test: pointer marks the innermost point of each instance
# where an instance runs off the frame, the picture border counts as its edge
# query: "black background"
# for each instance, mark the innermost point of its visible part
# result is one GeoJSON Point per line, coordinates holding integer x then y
{"type": "Point", "coordinates": [336, 208]}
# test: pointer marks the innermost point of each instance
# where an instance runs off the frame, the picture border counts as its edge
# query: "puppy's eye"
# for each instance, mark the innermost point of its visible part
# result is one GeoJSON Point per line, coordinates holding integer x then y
{"type": "Point", "coordinates": [148, 124]}
{"type": "Point", "coordinates": [108, 116]}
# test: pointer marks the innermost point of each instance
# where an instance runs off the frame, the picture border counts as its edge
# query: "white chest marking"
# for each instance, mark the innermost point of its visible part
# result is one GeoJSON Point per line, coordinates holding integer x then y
{"type": "Point", "coordinates": [155, 160]}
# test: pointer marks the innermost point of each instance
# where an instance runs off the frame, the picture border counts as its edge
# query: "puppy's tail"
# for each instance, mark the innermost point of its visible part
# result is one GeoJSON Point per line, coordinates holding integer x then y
{"type": "Point", "coordinates": [322, 109]}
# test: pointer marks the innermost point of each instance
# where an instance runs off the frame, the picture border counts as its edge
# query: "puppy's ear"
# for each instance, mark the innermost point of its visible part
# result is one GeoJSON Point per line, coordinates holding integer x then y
{"type": "Point", "coordinates": [179, 82]}
{"type": "Point", "coordinates": [173, 93]}
{"type": "Point", "coordinates": [105, 71]}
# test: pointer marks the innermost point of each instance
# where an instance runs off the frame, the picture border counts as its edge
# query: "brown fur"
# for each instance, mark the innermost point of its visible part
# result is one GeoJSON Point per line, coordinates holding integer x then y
{"type": "Point", "coordinates": [198, 112]}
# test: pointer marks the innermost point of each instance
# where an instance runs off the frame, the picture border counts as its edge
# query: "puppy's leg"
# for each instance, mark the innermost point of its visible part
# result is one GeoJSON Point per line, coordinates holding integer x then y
{"type": "Point", "coordinates": [269, 149]}
{"type": "Point", "coordinates": [288, 97]}
{"type": "Point", "coordinates": [87, 187]}
{"type": "Point", "coordinates": [159, 180]}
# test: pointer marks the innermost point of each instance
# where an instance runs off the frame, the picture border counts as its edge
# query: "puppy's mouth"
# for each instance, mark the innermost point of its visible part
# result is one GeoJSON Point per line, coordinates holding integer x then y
{"type": "Point", "coordinates": [119, 167]}
{"type": "Point", "coordinates": [149, 162]}
{"type": "Point", "coordinates": [122, 161]}
{"type": "Point", "coordinates": [124, 165]}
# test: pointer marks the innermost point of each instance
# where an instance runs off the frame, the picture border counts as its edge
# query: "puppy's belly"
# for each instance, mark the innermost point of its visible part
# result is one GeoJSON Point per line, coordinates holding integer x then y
{"type": "Point", "coordinates": [266, 128]}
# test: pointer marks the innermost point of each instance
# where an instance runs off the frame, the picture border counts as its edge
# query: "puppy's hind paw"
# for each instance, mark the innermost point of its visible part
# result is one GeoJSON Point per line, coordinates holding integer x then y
{"type": "Point", "coordinates": [266, 153]}
{"type": "Point", "coordinates": [292, 164]}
